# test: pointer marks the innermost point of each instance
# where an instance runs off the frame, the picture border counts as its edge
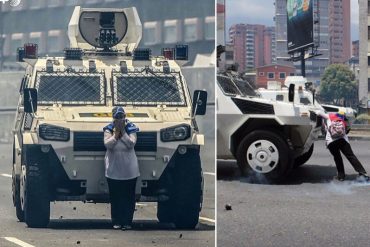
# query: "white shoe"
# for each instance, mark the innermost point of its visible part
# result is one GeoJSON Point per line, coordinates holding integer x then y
{"type": "Point", "coordinates": [117, 227]}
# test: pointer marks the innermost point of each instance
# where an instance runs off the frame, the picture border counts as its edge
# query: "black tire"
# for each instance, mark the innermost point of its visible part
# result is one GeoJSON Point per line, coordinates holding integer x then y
{"type": "Point", "coordinates": [282, 167]}
{"type": "Point", "coordinates": [36, 198]}
{"type": "Point", "coordinates": [301, 160]}
{"type": "Point", "coordinates": [187, 196]}
{"type": "Point", "coordinates": [17, 196]}
{"type": "Point", "coordinates": [164, 212]}
{"type": "Point", "coordinates": [187, 207]}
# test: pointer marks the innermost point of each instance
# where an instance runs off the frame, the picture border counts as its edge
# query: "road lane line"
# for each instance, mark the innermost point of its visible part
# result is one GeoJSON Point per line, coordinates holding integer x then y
{"type": "Point", "coordinates": [6, 175]}
{"type": "Point", "coordinates": [18, 242]}
{"type": "Point", "coordinates": [207, 219]}
{"type": "Point", "coordinates": [209, 173]}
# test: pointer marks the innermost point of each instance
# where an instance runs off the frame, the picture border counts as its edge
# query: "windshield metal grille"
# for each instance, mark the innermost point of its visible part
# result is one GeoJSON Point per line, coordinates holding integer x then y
{"type": "Point", "coordinates": [148, 87]}
{"type": "Point", "coordinates": [235, 85]}
{"type": "Point", "coordinates": [70, 88]}
{"type": "Point", "coordinates": [227, 85]}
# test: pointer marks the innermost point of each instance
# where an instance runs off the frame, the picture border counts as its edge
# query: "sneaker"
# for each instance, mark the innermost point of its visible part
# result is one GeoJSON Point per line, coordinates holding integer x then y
{"type": "Point", "coordinates": [339, 178]}
{"type": "Point", "coordinates": [117, 227]}
{"type": "Point", "coordinates": [363, 177]}
{"type": "Point", "coordinates": [126, 227]}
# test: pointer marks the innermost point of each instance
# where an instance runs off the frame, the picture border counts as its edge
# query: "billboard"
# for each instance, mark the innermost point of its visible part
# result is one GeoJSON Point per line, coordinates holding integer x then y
{"type": "Point", "coordinates": [299, 24]}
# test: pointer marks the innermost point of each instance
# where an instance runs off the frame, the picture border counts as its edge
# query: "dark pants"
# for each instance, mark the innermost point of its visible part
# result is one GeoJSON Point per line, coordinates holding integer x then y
{"type": "Point", "coordinates": [342, 145]}
{"type": "Point", "coordinates": [122, 198]}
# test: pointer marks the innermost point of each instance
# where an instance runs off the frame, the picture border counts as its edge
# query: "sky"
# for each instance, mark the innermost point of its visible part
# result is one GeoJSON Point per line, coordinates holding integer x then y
{"type": "Point", "coordinates": [262, 12]}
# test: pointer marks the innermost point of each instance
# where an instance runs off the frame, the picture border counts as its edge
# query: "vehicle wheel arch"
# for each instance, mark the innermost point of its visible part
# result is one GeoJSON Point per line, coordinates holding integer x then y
{"type": "Point", "coordinates": [251, 125]}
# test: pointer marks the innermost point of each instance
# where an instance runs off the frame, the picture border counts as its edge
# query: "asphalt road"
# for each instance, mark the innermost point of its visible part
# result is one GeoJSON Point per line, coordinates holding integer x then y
{"type": "Point", "coordinates": [78, 224]}
{"type": "Point", "coordinates": [308, 210]}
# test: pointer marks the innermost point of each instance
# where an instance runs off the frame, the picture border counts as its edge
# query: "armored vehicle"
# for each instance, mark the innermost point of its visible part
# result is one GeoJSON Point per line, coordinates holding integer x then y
{"type": "Point", "coordinates": [58, 150]}
{"type": "Point", "coordinates": [266, 137]}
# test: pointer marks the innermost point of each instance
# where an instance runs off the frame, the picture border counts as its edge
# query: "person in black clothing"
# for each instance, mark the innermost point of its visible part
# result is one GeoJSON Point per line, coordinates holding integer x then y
{"type": "Point", "coordinates": [339, 144]}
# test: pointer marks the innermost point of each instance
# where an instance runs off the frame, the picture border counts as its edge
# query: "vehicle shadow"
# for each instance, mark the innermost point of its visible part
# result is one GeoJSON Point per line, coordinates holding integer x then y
{"type": "Point", "coordinates": [138, 225]}
{"type": "Point", "coordinates": [308, 173]}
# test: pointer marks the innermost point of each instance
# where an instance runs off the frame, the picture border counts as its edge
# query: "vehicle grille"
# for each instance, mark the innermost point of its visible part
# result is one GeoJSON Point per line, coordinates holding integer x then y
{"type": "Point", "coordinates": [93, 141]}
{"type": "Point", "coordinates": [251, 107]}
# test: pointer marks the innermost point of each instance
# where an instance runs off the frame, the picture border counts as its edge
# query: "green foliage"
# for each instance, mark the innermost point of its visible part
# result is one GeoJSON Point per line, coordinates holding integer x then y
{"type": "Point", "coordinates": [338, 84]}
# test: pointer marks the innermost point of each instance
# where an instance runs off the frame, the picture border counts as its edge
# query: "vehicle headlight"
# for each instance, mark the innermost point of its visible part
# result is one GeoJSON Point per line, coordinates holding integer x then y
{"type": "Point", "coordinates": [175, 133]}
{"type": "Point", "coordinates": [53, 133]}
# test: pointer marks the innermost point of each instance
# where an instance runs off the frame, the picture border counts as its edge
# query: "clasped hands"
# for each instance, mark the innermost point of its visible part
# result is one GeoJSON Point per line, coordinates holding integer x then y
{"type": "Point", "coordinates": [119, 128]}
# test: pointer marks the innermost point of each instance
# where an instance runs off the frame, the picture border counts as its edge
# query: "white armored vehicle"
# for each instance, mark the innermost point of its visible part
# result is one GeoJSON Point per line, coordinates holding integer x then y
{"type": "Point", "coordinates": [58, 151]}
{"type": "Point", "coordinates": [266, 137]}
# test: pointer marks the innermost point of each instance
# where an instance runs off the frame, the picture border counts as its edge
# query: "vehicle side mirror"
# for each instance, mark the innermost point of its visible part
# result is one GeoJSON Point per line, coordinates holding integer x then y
{"type": "Point", "coordinates": [291, 92]}
{"type": "Point", "coordinates": [30, 100]}
{"type": "Point", "coordinates": [199, 102]}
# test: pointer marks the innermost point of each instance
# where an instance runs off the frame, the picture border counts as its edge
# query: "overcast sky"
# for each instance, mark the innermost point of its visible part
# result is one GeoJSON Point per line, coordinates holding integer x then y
{"type": "Point", "coordinates": [262, 12]}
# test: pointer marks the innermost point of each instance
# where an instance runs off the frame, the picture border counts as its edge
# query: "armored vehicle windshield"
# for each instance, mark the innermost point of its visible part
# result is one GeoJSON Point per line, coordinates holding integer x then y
{"type": "Point", "coordinates": [148, 88]}
{"type": "Point", "coordinates": [71, 88]}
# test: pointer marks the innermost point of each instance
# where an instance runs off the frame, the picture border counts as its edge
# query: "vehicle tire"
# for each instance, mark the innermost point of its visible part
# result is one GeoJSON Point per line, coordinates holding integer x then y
{"type": "Point", "coordinates": [187, 205]}
{"type": "Point", "coordinates": [301, 160]}
{"type": "Point", "coordinates": [164, 212]}
{"type": "Point", "coordinates": [263, 156]}
{"type": "Point", "coordinates": [16, 196]}
{"type": "Point", "coordinates": [187, 192]}
{"type": "Point", "coordinates": [35, 193]}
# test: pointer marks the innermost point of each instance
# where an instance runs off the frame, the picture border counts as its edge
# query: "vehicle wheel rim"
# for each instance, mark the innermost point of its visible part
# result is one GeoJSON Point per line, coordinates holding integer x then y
{"type": "Point", "coordinates": [262, 156]}
{"type": "Point", "coordinates": [23, 186]}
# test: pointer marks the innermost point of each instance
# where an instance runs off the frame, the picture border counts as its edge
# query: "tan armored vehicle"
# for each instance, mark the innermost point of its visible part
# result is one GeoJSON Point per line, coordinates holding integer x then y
{"type": "Point", "coordinates": [58, 151]}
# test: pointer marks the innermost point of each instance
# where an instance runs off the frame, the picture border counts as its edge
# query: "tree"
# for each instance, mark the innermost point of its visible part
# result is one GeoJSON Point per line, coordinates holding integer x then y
{"type": "Point", "coordinates": [338, 85]}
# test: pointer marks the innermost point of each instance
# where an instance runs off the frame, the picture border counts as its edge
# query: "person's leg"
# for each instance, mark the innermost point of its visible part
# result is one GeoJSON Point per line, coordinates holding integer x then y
{"type": "Point", "coordinates": [346, 149]}
{"type": "Point", "coordinates": [129, 201]}
{"type": "Point", "coordinates": [335, 151]}
{"type": "Point", "coordinates": [114, 195]}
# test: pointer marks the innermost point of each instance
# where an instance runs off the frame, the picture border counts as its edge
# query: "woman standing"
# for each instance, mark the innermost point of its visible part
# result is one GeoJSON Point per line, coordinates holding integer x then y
{"type": "Point", "coordinates": [121, 168]}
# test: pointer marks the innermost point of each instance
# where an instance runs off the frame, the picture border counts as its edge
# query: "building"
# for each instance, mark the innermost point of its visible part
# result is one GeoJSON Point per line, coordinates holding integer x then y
{"type": "Point", "coordinates": [273, 72]}
{"type": "Point", "coordinates": [165, 23]}
{"type": "Point", "coordinates": [364, 54]}
{"type": "Point", "coordinates": [355, 49]}
{"type": "Point", "coordinates": [229, 55]}
{"type": "Point", "coordinates": [281, 28]}
{"type": "Point", "coordinates": [334, 36]}
{"type": "Point", "coordinates": [221, 34]}
{"type": "Point", "coordinates": [254, 45]}
{"type": "Point", "coordinates": [340, 30]}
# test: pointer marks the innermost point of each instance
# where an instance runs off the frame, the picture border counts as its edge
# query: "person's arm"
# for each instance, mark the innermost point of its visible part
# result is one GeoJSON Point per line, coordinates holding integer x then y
{"type": "Point", "coordinates": [129, 139]}
{"type": "Point", "coordinates": [110, 140]}
{"type": "Point", "coordinates": [325, 119]}
{"type": "Point", "coordinates": [323, 114]}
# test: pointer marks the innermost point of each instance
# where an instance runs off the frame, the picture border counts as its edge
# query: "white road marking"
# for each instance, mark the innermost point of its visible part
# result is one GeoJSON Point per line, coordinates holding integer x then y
{"type": "Point", "coordinates": [209, 173]}
{"type": "Point", "coordinates": [18, 242]}
{"type": "Point", "coordinates": [207, 219]}
{"type": "Point", "coordinates": [6, 175]}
